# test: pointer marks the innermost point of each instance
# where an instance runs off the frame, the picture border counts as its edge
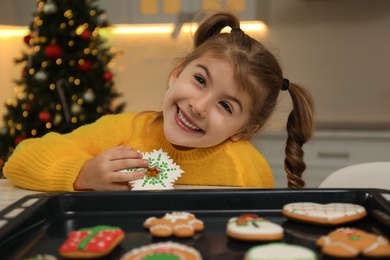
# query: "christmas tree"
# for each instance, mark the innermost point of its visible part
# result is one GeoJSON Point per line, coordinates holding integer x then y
{"type": "Point", "coordinates": [66, 79]}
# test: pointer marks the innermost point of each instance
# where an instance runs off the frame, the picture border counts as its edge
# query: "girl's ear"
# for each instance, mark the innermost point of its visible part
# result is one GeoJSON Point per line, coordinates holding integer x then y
{"type": "Point", "coordinates": [174, 75]}
{"type": "Point", "coordinates": [245, 133]}
{"type": "Point", "coordinates": [172, 78]}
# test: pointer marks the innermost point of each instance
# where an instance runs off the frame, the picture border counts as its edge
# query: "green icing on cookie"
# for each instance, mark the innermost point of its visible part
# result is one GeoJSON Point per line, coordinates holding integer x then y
{"type": "Point", "coordinates": [161, 256]}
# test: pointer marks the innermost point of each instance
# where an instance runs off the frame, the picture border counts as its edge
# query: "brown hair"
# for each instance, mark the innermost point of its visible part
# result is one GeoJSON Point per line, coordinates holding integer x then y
{"type": "Point", "coordinates": [260, 75]}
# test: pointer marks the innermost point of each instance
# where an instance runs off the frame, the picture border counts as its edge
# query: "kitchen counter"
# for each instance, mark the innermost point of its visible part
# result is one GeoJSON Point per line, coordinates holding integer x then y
{"type": "Point", "coordinates": [10, 193]}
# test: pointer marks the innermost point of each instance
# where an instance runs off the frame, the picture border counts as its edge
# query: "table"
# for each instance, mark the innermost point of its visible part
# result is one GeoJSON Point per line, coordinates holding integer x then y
{"type": "Point", "coordinates": [9, 193]}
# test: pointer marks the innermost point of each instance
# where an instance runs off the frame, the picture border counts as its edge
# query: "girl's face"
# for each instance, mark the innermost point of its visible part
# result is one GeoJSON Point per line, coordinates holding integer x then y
{"type": "Point", "coordinates": [204, 105]}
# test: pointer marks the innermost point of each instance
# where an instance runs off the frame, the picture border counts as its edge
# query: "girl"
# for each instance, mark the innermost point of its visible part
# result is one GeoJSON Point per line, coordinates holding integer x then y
{"type": "Point", "coordinates": [218, 96]}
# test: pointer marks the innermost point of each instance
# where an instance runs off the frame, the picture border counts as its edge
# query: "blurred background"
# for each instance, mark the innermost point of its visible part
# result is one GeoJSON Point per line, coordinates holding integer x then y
{"type": "Point", "coordinates": [338, 49]}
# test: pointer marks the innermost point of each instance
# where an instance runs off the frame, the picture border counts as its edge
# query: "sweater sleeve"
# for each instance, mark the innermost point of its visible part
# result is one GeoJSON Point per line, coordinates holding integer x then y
{"type": "Point", "coordinates": [52, 162]}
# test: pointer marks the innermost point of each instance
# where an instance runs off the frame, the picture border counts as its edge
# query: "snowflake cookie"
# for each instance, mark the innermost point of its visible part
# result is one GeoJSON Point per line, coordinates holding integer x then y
{"type": "Point", "coordinates": [161, 173]}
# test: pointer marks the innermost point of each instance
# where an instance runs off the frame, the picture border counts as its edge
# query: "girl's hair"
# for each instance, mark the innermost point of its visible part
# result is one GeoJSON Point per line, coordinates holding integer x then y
{"type": "Point", "coordinates": [259, 74]}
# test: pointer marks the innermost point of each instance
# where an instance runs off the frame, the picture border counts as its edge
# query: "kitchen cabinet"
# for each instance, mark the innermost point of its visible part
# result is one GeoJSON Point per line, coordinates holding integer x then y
{"type": "Point", "coordinates": [166, 11]}
{"type": "Point", "coordinates": [20, 12]}
{"type": "Point", "coordinates": [326, 153]}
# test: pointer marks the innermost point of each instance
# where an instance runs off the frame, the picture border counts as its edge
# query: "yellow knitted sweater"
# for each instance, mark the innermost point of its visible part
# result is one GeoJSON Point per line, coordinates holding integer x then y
{"type": "Point", "coordinates": [52, 162]}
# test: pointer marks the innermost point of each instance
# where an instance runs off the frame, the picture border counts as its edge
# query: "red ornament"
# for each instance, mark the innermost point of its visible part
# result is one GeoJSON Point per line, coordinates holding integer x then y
{"type": "Point", "coordinates": [107, 76]}
{"type": "Point", "coordinates": [86, 35]}
{"type": "Point", "coordinates": [44, 116]}
{"type": "Point", "coordinates": [85, 66]}
{"type": "Point", "coordinates": [53, 51]}
{"type": "Point", "coordinates": [19, 138]}
{"type": "Point", "coordinates": [24, 73]}
{"type": "Point", "coordinates": [27, 39]}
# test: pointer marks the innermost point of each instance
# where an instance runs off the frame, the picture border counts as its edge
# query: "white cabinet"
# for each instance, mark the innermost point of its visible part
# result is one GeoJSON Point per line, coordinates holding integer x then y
{"type": "Point", "coordinates": [326, 153]}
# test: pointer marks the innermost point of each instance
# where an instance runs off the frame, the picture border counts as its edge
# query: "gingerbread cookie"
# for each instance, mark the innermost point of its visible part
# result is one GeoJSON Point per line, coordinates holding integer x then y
{"type": "Point", "coordinates": [351, 242]}
{"type": "Point", "coordinates": [251, 227]}
{"type": "Point", "coordinates": [163, 250]}
{"type": "Point", "coordinates": [179, 224]}
{"type": "Point", "coordinates": [279, 251]}
{"type": "Point", "coordinates": [91, 242]}
{"type": "Point", "coordinates": [324, 214]}
{"type": "Point", "coordinates": [161, 173]}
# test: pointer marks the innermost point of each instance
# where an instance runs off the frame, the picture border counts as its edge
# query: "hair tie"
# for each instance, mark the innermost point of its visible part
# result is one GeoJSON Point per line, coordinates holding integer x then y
{"type": "Point", "coordinates": [236, 29]}
{"type": "Point", "coordinates": [285, 84]}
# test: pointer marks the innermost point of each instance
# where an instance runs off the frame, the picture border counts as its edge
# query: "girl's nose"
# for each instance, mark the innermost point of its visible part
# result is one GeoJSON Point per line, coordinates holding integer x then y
{"type": "Point", "coordinates": [199, 106]}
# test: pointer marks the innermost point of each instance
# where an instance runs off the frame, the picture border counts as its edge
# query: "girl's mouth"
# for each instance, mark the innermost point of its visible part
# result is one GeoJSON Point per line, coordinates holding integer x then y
{"type": "Point", "coordinates": [184, 121]}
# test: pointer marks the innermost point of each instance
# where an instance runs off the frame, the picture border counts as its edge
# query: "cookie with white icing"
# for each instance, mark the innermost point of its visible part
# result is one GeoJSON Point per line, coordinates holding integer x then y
{"type": "Point", "coordinates": [352, 242]}
{"type": "Point", "coordinates": [161, 174]}
{"type": "Point", "coordinates": [179, 224]}
{"type": "Point", "coordinates": [164, 250]}
{"type": "Point", "coordinates": [324, 214]}
{"type": "Point", "coordinates": [250, 227]}
{"type": "Point", "coordinates": [279, 251]}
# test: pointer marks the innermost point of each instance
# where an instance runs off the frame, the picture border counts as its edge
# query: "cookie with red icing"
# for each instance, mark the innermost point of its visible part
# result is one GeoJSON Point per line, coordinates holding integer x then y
{"type": "Point", "coordinates": [324, 214]}
{"type": "Point", "coordinates": [251, 227]}
{"type": "Point", "coordinates": [164, 250]}
{"type": "Point", "coordinates": [179, 224]}
{"type": "Point", "coordinates": [91, 242]}
{"type": "Point", "coordinates": [352, 242]}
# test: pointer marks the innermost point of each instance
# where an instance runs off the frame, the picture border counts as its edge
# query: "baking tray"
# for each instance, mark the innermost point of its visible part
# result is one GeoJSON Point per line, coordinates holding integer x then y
{"type": "Point", "coordinates": [39, 224]}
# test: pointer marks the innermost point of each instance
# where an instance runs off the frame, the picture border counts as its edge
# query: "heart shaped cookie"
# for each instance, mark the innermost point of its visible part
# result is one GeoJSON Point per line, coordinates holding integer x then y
{"type": "Point", "coordinates": [324, 214]}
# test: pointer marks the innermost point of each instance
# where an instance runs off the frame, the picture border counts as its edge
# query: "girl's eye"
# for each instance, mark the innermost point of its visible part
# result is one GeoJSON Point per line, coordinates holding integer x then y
{"type": "Point", "coordinates": [227, 107]}
{"type": "Point", "coordinates": [201, 80]}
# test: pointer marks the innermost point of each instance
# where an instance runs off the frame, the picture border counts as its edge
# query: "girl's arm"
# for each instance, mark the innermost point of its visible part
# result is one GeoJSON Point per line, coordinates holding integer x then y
{"type": "Point", "coordinates": [53, 162]}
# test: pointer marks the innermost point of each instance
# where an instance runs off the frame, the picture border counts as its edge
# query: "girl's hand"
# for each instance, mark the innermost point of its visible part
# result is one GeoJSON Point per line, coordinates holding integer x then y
{"type": "Point", "coordinates": [101, 172]}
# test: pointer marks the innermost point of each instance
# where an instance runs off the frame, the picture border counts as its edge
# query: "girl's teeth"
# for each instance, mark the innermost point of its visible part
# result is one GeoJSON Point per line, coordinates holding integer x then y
{"type": "Point", "coordinates": [185, 122]}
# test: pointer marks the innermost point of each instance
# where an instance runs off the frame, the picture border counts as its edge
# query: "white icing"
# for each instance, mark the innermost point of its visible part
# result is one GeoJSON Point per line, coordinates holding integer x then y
{"type": "Point", "coordinates": [168, 244]}
{"type": "Point", "coordinates": [168, 174]}
{"type": "Point", "coordinates": [329, 242]}
{"type": "Point", "coordinates": [160, 226]}
{"type": "Point", "coordinates": [381, 241]}
{"type": "Point", "coordinates": [324, 211]}
{"type": "Point", "coordinates": [186, 226]}
{"type": "Point", "coordinates": [261, 227]}
{"type": "Point", "coordinates": [280, 251]}
{"type": "Point", "coordinates": [148, 220]}
{"type": "Point", "coordinates": [174, 216]}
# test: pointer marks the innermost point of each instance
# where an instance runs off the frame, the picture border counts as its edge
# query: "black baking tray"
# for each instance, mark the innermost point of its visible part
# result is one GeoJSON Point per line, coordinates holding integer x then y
{"type": "Point", "coordinates": [44, 220]}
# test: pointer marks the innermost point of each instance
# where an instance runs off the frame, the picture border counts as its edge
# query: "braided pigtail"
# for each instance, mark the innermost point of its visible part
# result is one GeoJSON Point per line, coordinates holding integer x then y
{"type": "Point", "coordinates": [213, 26]}
{"type": "Point", "coordinates": [300, 126]}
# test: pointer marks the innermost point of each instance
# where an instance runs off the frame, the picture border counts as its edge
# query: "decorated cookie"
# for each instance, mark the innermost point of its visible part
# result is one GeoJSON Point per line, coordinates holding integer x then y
{"type": "Point", "coordinates": [251, 227]}
{"type": "Point", "coordinates": [91, 242]}
{"type": "Point", "coordinates": [279, 251]}
{"type": "Point", "coordinates": [163, 250]}
{"type": "Point", "coordinates": [161, 173]}
{"type": "Point", "coordinates": [324, 214]}
{"type": "Point", "coordinates": [179, 224]}
{"type": "Point", "coordinates": [351, 242]}
{"type": "Point", "coordinates": [42, 257]}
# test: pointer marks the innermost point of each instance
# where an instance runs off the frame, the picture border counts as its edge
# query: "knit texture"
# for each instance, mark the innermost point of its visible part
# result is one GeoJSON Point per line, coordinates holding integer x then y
{"type": "Point", "coordinates": [52, 162]}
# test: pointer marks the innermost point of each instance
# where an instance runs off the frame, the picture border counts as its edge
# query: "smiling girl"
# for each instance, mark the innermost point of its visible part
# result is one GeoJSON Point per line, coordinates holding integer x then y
{"type": "Point", "coordinates": [218, 95]}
